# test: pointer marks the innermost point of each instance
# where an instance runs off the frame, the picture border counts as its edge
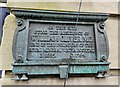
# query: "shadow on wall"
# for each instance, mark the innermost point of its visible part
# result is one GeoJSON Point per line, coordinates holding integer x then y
{"type": "Point", "coordinates": [0, 74]}
{"type": "Point", "coordinates": [3, 13]}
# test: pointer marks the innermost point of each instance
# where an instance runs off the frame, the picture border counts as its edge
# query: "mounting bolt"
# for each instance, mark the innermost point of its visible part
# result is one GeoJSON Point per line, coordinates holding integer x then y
{"type": "Point", "coordinates": [19, 58]}
{"type": "Point", "coordinates": [103, 58]}
{"type": "Point", "coordinates": [20, 22]}
{"type": "Point", "coordinates": [102, 25]}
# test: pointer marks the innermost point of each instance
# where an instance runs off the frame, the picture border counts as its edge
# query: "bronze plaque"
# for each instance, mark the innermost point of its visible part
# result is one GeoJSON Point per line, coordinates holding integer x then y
{"type": "Point", "coordinates": [52, 42]}
{"type": "Point", "coordinates": [61, 41]}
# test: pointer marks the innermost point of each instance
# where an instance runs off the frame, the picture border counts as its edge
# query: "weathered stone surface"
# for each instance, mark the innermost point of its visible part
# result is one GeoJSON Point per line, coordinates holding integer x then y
{"type": "Point", "coordinates": [112, 32]}
{"type": "Point", "coordinates": [6, 46]}
{"type": "Point", "coordinates": [111, 27]}
{"type": "Point", "coordinates": [112, 80]}
{"type": "Point", "coordinates": [106, 6]}
{"type": "Point", "coordinates": [0, 82]}
{"type": "Point", "coordinates": [71, 6]}
{"type": "Point", "coordinates": [100, 6]}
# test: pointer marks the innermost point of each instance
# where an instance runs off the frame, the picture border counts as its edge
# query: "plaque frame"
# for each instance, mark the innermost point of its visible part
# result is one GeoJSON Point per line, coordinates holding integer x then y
{"type": "Point", "coordinates": [23, 67]}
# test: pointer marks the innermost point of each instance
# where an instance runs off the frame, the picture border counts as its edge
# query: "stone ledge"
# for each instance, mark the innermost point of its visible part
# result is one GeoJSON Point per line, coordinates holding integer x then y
{"type": "Point", "coordinates": [76, 80]}
{"type": "Point", "coordinates": [112, 80]}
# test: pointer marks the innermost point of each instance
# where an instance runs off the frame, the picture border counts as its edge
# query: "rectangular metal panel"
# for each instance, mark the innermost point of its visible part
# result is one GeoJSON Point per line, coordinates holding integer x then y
{"type": "Point", "coordinates": [61, 41]}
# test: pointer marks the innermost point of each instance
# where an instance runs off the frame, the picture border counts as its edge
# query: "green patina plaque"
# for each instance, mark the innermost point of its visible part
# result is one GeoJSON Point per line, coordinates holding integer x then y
{"type": "Point", "coordinates": [51, 42]}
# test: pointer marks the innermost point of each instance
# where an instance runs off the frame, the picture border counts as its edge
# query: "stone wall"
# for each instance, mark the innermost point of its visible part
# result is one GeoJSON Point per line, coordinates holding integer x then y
{"type": "Point", "coordinates": [87, 6]}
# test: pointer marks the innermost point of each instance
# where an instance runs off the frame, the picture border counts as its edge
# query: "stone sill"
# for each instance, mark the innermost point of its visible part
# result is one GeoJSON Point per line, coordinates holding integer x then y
{"type": "Point", "coordinates": [112, 72]}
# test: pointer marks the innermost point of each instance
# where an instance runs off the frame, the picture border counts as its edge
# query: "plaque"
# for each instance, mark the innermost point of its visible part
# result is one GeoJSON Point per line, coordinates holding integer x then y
{"type": "Point", "coordinates": [50, 42]}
